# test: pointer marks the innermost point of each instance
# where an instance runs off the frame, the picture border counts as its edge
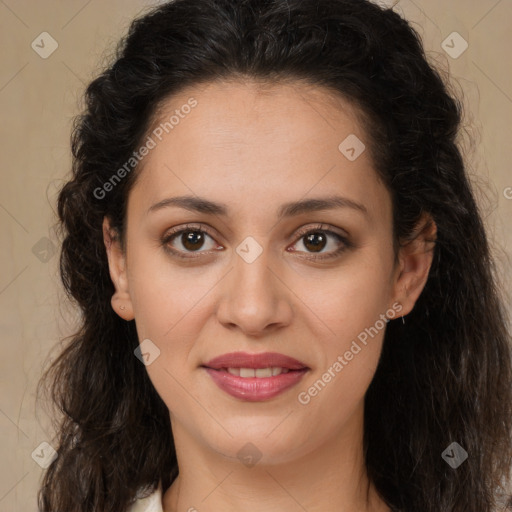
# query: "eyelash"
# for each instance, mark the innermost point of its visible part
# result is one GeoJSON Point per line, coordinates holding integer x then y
{"type": "Point", "coordinates": [322, 228]}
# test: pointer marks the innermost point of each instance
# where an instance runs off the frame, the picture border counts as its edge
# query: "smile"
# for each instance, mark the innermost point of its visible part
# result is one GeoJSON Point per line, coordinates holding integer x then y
{"type": "Point", "coordinates": [255, 377]}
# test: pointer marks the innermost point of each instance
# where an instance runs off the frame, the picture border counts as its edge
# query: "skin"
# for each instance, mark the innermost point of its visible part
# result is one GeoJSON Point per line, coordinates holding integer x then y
{"type": "Point", "coordinates": [253, 148]}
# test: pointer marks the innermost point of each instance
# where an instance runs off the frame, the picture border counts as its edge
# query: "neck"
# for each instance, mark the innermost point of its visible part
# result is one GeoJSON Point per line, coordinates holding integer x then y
{"type": "Point", "coordinates": [330, 478]}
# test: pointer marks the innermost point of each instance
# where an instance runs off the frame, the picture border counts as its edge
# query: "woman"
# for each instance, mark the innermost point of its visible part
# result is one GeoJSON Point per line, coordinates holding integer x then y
{"type": "Point", "coordinates": [288, 299]}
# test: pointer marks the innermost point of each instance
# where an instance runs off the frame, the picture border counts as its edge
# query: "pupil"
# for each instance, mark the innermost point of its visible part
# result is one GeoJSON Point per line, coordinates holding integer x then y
{"type": "Point", "coordinates": [317, 245]}
{"type": "Point", "coordinates": [192, 240]}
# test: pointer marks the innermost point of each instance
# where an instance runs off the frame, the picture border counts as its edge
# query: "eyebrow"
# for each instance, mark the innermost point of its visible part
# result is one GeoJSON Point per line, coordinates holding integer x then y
{"type": "Point", "coordinates": [203, 205]}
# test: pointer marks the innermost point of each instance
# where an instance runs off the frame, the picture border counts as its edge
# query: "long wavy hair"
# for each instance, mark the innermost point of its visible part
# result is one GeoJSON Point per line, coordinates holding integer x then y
{"type": "Point", "coordinates": [445, 376]}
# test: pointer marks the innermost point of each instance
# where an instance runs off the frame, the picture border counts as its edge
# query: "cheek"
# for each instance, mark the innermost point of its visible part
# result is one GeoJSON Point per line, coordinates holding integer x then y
{"type": "Point", "coordinates": [169, 306]}
{"type": "Point", "coordinates": [333, 396]}
{"type": "Point", "coordinates": [350, 356]}
{"type": "Point", "coordinates": [166, 297]}
{"type": "Point", "coordinates": [350, 308]}
{"type": "Point", "coordinates": [347, 299]}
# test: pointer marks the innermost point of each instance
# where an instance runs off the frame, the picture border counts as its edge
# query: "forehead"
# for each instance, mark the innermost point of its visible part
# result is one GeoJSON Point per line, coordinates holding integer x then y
{"type": "Point", "coordinates": [249, 142]}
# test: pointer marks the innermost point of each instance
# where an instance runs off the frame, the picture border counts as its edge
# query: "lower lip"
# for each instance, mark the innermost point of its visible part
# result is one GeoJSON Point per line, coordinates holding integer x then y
{"type": "Point", "coordinates": [255, 389]}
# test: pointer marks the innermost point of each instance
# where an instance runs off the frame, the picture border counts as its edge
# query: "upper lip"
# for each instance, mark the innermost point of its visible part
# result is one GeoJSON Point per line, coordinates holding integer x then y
{"type": "Point", "coordinates": [262, 360]}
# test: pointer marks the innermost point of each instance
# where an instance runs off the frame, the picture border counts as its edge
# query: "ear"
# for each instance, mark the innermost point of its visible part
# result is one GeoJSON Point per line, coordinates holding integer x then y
{"type": "Point", "coordinates": [415, 259]}
{"type": "Point", "coordinates": [121, 300]}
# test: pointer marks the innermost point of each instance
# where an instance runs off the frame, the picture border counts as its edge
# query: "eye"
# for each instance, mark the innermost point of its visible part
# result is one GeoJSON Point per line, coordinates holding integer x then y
{"type": "Point", "coordinates": [188, 239]}
{"type": "Point", "coordinates": [315, 240]}
{"type": "Point", "coordinates": [185, 241]}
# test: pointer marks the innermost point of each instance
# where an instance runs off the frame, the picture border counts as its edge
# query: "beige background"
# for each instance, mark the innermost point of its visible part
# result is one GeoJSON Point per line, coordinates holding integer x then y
{"type": "Point", "coordinates": [38, 99]}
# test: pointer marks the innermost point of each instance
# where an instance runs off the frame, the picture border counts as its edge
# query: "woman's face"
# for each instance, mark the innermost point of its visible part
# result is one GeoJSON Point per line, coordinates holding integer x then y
{"type": "Point", "coordinates": [255, 165]}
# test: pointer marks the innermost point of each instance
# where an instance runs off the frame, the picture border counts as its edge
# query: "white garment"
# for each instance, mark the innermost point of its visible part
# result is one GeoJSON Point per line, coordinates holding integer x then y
{"type": "Point", "coordinates": [152, 503]}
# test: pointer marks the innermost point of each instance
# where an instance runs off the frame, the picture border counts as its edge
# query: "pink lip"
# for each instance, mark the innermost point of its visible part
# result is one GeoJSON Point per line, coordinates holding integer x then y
{"type": "Point", "coordinates": [245, 360]}
{"type": "Point", "coordinates": [254, 389]}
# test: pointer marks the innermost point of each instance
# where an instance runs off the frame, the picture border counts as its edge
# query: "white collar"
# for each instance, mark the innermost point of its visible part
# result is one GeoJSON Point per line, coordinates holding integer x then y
{"type": "Point", "coordinates": [153, 503]}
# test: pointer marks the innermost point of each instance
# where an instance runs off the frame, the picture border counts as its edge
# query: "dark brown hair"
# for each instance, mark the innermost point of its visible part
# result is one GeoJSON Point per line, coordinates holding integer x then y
{"type": "Point", "coordinates": [444, 376]}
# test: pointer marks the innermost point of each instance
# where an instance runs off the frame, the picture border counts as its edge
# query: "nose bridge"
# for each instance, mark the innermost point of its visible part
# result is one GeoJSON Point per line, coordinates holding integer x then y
{"type": "Point", "coordinates": [251, 274]}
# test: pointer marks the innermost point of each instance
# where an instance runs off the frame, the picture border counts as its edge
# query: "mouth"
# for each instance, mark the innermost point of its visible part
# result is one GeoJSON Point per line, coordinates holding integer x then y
{"type": "Point", "coordinates": [255, 377]}
{"type": "Point", "coordinates": [257, 372]}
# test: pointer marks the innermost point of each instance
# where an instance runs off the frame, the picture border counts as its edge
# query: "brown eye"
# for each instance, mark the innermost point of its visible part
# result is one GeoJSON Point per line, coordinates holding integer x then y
{"type": "Point", "coordinates": [320, 243]}
{"type": "Point", "coordinates": [315, 241]}
{"type": "Point", "coordinates": [188, 240]}
{"type": "Point", "coordinates": [192, 240]}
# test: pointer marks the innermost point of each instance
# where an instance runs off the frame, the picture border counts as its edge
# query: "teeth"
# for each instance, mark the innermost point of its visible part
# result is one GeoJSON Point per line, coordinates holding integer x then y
{"type": "Point", "coordinates": [258, 372]}
{"type": "Point", "coordinates": [264, 372]}
{"type": "Point", "coordinates": [247, 372]}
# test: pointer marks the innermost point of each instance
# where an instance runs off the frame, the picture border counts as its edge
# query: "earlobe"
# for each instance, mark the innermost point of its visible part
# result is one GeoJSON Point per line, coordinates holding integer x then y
{"type": "Point", "coordinates": [415, 257]}
{"type": "Point", "coordinates": [121, 300]}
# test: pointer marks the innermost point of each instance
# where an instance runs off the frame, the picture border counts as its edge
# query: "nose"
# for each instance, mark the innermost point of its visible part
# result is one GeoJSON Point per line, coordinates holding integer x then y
{"type": "Point", "coordinates": [253, 297]}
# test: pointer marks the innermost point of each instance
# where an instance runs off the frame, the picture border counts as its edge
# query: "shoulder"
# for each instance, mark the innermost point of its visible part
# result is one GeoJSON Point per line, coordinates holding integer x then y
{"type": "Point", "coordinates": [153, 503]}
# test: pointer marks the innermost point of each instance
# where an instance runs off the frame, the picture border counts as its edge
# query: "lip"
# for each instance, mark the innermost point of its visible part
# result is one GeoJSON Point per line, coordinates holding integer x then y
{"type": "Point", "coordinates": [246, 360]}
{"type": "Point", "coordinates": [254, 389]}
